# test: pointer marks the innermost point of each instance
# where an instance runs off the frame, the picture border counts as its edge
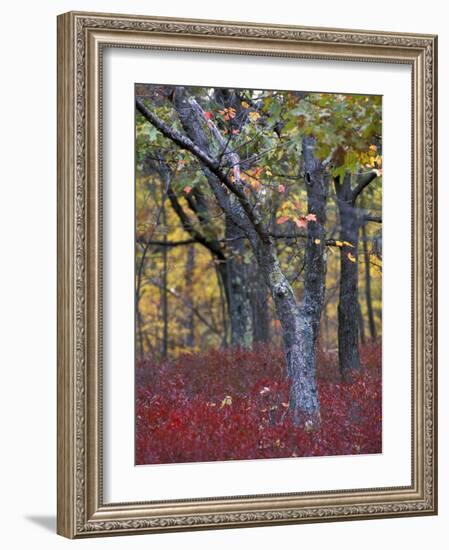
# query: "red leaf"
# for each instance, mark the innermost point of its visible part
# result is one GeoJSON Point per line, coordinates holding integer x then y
{"type": "Point", "coordinates": [187, 189]}
{"type": "Point", "coordinates": [281, 188]}
{"type": "Point", "coordinates": [311, 217]}
{"type": "Point", "coordinates": [282, 219]}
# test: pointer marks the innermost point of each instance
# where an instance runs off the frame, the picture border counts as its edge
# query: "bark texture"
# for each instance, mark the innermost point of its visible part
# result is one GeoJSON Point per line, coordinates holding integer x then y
{"type": "Point", "coordinates": [348, 314]}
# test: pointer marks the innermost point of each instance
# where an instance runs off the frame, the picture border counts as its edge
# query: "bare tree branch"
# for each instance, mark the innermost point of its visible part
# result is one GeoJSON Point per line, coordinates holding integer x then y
{"type": "Point", "coordinates": [363, 180]}
{"type": "Point", "coordinates": [186, 222]}
{"type": "Point", "coordinates": [370, 218]}
{"type": "Point", "coordinates": [187, 144]}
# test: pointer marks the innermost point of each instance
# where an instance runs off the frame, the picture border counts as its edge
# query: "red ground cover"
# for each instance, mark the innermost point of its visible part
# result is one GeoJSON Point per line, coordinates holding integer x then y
{"type": "Point", "coordinates": [233, 404]}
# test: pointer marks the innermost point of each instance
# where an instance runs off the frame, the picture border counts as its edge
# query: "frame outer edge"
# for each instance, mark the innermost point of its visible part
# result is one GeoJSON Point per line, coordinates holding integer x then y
{"type": "Point", "coordinates": [435, 269]}
{"type": "Point", "coordinates": [66, 288]}
{"type": "Point", "coordinates": [75, 421]}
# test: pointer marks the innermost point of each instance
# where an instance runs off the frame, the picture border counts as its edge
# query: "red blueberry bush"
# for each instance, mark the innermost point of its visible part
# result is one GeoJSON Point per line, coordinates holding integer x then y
{"type": "Point", "coordinates": [233, 404]}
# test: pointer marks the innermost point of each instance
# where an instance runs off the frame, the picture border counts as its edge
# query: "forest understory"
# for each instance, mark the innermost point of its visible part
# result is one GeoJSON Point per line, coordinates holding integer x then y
{"type": "Point", "coordinates": [231, 404]}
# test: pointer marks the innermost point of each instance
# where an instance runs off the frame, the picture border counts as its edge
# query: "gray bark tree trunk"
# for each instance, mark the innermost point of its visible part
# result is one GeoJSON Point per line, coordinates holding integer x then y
{"type": "Point", "coordinates": [300, 321]}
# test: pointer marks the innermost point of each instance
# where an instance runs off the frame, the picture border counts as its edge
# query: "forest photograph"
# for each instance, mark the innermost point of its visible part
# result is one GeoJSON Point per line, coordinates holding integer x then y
{"type": "Point", "coordinates": [258, 274]}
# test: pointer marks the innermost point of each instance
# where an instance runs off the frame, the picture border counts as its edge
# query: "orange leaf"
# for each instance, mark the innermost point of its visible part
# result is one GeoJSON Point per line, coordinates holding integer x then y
{"type": "Point", "coordinates": [255, 184]}
{"type": "Point", "coordinates": [282, 219]}
{"type": "Point", "coordinates": [208, 114]}
{"type": "Point", "coordinates": [187, 189]}
{"type": "Point", "coordinates": [228, 113]}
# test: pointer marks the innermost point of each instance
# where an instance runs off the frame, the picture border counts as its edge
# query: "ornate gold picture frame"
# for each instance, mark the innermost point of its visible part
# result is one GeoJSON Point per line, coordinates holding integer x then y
{"type": "Point", "coordinates": [82, 509]}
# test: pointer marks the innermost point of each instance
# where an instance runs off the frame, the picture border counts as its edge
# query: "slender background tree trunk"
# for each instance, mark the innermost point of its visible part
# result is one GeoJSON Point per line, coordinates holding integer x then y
{"type": "Point", "coordinates": [239, 301]}
{"type": "Point", "coordinates": [190, 320]}
{"type": "Point", "coordinates": [348, 314]}
{"type": "Point", "coordinates": [368, 298]}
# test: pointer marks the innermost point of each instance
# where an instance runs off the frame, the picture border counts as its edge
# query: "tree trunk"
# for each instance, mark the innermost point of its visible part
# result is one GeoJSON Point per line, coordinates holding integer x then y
{"type": "Point", "coordinates": [361, 323]}
{"type": "Point", "coordinates": [239, 303]}
{"type": "Point", "coordinates": [190, 319]}
{"type": "Point", "coordinates": [300, 322]}
{"type": "Point", "coordinates": [259, 305]}
{"type": "Point", "coordinates": [368, 298]}
{"type": "Point", "coordinates": [235, 280]}
{"type": "Point", "coordinates": [298, 337]}
{"type": "Point", "coordinates": [348, 329]}
{"type": "Point", "coordinates": [317, 184]}
{"type": "Point", "coordinates": [223, 306]}
{"type": "Point", "coordinates": [164, 296]}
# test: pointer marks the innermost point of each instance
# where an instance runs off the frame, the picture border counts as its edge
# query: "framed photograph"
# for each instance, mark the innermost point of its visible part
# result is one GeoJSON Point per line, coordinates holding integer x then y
{"type": "Point", "coordinates": [246, 274]}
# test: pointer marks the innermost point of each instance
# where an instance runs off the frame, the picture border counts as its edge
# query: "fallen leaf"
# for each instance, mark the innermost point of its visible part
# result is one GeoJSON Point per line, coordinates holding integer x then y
{"type": "Point", "coordinates": [226, 401]}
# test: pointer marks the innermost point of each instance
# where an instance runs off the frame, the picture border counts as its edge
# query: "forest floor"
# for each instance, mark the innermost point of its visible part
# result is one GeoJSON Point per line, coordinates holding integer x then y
{"type": "Point", "coordinates": [233, 404]}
